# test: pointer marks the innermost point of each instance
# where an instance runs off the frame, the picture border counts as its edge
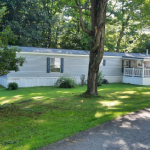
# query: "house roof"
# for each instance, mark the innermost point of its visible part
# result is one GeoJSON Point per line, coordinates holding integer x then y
{"type": "Point", "coordinates": [81, 52]}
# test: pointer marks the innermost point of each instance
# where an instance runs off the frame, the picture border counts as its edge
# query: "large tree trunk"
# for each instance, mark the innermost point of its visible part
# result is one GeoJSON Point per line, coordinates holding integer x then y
{"type": "Point", "coordinates": [98, 15]}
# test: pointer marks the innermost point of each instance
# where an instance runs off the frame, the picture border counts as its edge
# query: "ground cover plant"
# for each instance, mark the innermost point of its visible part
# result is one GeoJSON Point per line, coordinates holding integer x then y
{"type": "Point", "coordinates": [38, 116]}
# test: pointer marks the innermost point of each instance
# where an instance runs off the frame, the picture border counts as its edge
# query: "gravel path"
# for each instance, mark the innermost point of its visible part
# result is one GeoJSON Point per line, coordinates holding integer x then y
{"type": "Point", "coordinates": [130, 132]}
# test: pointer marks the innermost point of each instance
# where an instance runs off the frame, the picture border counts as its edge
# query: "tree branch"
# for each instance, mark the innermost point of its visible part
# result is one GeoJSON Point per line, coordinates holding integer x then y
{"type": "Point", "coordinates": [76, 3]}
{"type": "Point", "coordinates": [70, 5]}
{"type": "Point", "coordinates": [81, 19]}
{"type": "Point", "coordinates": [112, 9]}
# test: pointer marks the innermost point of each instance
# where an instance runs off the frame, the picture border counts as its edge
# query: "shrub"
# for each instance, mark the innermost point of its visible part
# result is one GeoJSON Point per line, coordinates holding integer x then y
{"type": "Point", "coordinates": [12, 86]}
{"type": "Point", "coordinates": [104, 81]}
{"type": "Point", "coordinates": [99, 78]}
{"type": "Point", "coordinates": [65, 82]}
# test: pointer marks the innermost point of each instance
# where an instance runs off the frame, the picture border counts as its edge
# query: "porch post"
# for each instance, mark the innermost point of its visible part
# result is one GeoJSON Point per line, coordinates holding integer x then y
{"type": "Point", "coordinates": [132, 72]}
{"type": "Point", "coordinates": [143, 69]}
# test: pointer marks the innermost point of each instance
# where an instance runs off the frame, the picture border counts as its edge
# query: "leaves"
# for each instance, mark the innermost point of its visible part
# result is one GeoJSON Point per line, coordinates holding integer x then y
{"type": "Point", "coordinates": [8, 59]}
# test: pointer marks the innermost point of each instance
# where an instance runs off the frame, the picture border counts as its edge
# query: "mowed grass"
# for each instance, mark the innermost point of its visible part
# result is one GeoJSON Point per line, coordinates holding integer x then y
{"type": "Point", "coordinates": [53, 114]}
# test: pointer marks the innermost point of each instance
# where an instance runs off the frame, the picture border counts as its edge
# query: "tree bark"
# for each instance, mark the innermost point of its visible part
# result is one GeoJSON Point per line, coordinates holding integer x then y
{"type": "Point", "coordinates": [98, 16]}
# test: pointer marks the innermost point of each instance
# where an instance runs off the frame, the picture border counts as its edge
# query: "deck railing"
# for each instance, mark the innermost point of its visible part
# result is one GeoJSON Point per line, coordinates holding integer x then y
{"type": "Point", "coordinates": [147, 72]}
{"type": "Point", "coordinates": [136, 72]}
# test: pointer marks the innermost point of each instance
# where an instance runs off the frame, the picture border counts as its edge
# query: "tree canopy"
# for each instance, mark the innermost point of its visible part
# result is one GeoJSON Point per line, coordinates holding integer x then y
{"type": "Point", "coordinates": [49, 23]}
{"type": "Point", "coordinates": [8, 60]}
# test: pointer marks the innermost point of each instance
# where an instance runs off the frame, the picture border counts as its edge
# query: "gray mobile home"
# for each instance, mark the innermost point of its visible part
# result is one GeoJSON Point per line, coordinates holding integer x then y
{"type": "Point", "coordinates": [44, 65]}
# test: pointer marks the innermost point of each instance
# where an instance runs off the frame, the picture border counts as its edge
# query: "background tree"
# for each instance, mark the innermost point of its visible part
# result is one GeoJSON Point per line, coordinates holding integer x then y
{"type": "Point", "coordinates": [125, 24]}
{"type": "Point", "coordinates": [32, 21]}
{"type": "Point", "coordinates": [8, 60]}
{"type": "Point", "coordinates": [73, 37]}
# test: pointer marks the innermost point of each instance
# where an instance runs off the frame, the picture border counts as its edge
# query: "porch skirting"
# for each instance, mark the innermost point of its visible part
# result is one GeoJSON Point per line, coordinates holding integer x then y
{"type": "Point", "coordinates": [47, 81]}
{"type": "Point", "coordinates": [114, 79]}
{"type": "Point", "coordinates": [136, 80]}
{"type": "Point", "coordinates": [37, 81]}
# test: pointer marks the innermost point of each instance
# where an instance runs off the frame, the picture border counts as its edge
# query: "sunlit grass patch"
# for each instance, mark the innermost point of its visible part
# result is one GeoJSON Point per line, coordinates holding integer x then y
{"type": "Point", "coordinates": [35, 117]}
{"type": "Point", "coordinates": [110, 103]}
{"type": "Point", "coordinates": [122, 97]}
{"type": "Point", "coordinates": [147, 93]}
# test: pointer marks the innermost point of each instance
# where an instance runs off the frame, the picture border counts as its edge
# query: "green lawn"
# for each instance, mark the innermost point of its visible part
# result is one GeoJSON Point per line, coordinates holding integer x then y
{"type": "Point", "coordinates": [54, 113]}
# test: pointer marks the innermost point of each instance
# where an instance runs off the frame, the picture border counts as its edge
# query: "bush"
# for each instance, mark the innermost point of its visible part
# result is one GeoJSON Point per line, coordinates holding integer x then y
{"type": "Point", "coordinates": [99, 78]}
{"type": "Point", "coordinates": [12, 86]}
{"type": "Point", "coordinates": [65, 82]}
{"type": "Point", "coordinates": [104, 81]}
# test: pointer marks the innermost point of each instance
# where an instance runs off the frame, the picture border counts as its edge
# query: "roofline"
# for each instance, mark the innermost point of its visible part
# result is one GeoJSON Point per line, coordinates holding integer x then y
{"type": "Point", "coordinates": [126, 57]}
{"type": "Point", "coordinates": [57, 54]}
{"type": "Point", "coordinates": [136, 57]}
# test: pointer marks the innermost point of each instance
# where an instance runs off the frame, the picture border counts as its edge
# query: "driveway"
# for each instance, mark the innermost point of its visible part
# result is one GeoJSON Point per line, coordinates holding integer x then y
{"type": "Point", "coordinates": [130, 132]}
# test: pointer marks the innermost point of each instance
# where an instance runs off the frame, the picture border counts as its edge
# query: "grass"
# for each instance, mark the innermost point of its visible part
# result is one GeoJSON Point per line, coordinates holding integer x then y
{"type": "Point", "coordinates": [52, 114]}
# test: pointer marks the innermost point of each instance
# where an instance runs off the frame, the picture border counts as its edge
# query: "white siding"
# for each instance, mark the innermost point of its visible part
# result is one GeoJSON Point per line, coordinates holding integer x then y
{"type": "Point", "coordinates": [114, 79]}
{"type": "Point", "coordinates": [113, 67]}
{"type": "Point", "coordinates": [34, 71]}
{"type": "Point", "coordinates": [3, 81]}
{"type": "Point", "coordinates": [147, 64]}
{"type": "Point", "coordinates": [36, 66]}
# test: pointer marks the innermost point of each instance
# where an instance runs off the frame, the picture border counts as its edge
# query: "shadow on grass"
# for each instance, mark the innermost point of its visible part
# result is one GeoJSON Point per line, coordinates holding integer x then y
{"type": "Point", "coordinates": [53, 114]}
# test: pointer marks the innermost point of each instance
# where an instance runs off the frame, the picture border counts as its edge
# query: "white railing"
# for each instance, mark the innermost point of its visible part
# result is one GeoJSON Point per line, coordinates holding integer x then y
{"type": "Point", "coordinates": [128, 71]}
{"type": "Point", "coordinates": [135, 72]}
{"type": "Point", "coordinates": [146, 72]}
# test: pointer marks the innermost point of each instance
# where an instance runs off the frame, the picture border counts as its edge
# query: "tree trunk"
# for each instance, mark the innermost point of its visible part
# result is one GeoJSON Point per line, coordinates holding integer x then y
{"type": "Point", "coordinates": [97, 32]}
{"type": "Point", "coordinates": [56, 38]}
{"type": "Point", "coordinates": [98, 15]}
{"type": "Point", "coordinates": [49, 36]}
{"type": "Point", "coordinates": [121, 33]}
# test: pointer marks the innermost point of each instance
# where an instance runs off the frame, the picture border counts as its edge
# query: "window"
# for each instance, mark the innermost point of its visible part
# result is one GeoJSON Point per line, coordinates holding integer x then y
{"type": "Point", "coordinates": [126, 63]}
{"type": "Point", "coordinates": [54, 64]}
{"type": "Point", "coordinates": [139, 63]}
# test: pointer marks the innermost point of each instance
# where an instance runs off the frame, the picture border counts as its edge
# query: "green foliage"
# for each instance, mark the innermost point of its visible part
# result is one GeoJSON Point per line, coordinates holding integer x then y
{"type": "Point", "coordinates": [12, 86]}
{"type": "Point", "coordinates": [8, 60]}
{"type": "Point", "coordinates": [65, 82]}
{"type": "Point", "coordinates": [142, 44]}
{"type": "Point", "coordinates": [99, 78]}
{"type": "Point", "coordinates": [7, 37]}
{"type": "Point", "coordinates": [2, 12]}
{"type": "Point", "coordinates": [51, 24]}
{"type": "Point", "coordinates": [32, 21]}
{"type": "Point", "coordinates": [73, 37]}
{"type": "Point", "coordinates": [131, 30]}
